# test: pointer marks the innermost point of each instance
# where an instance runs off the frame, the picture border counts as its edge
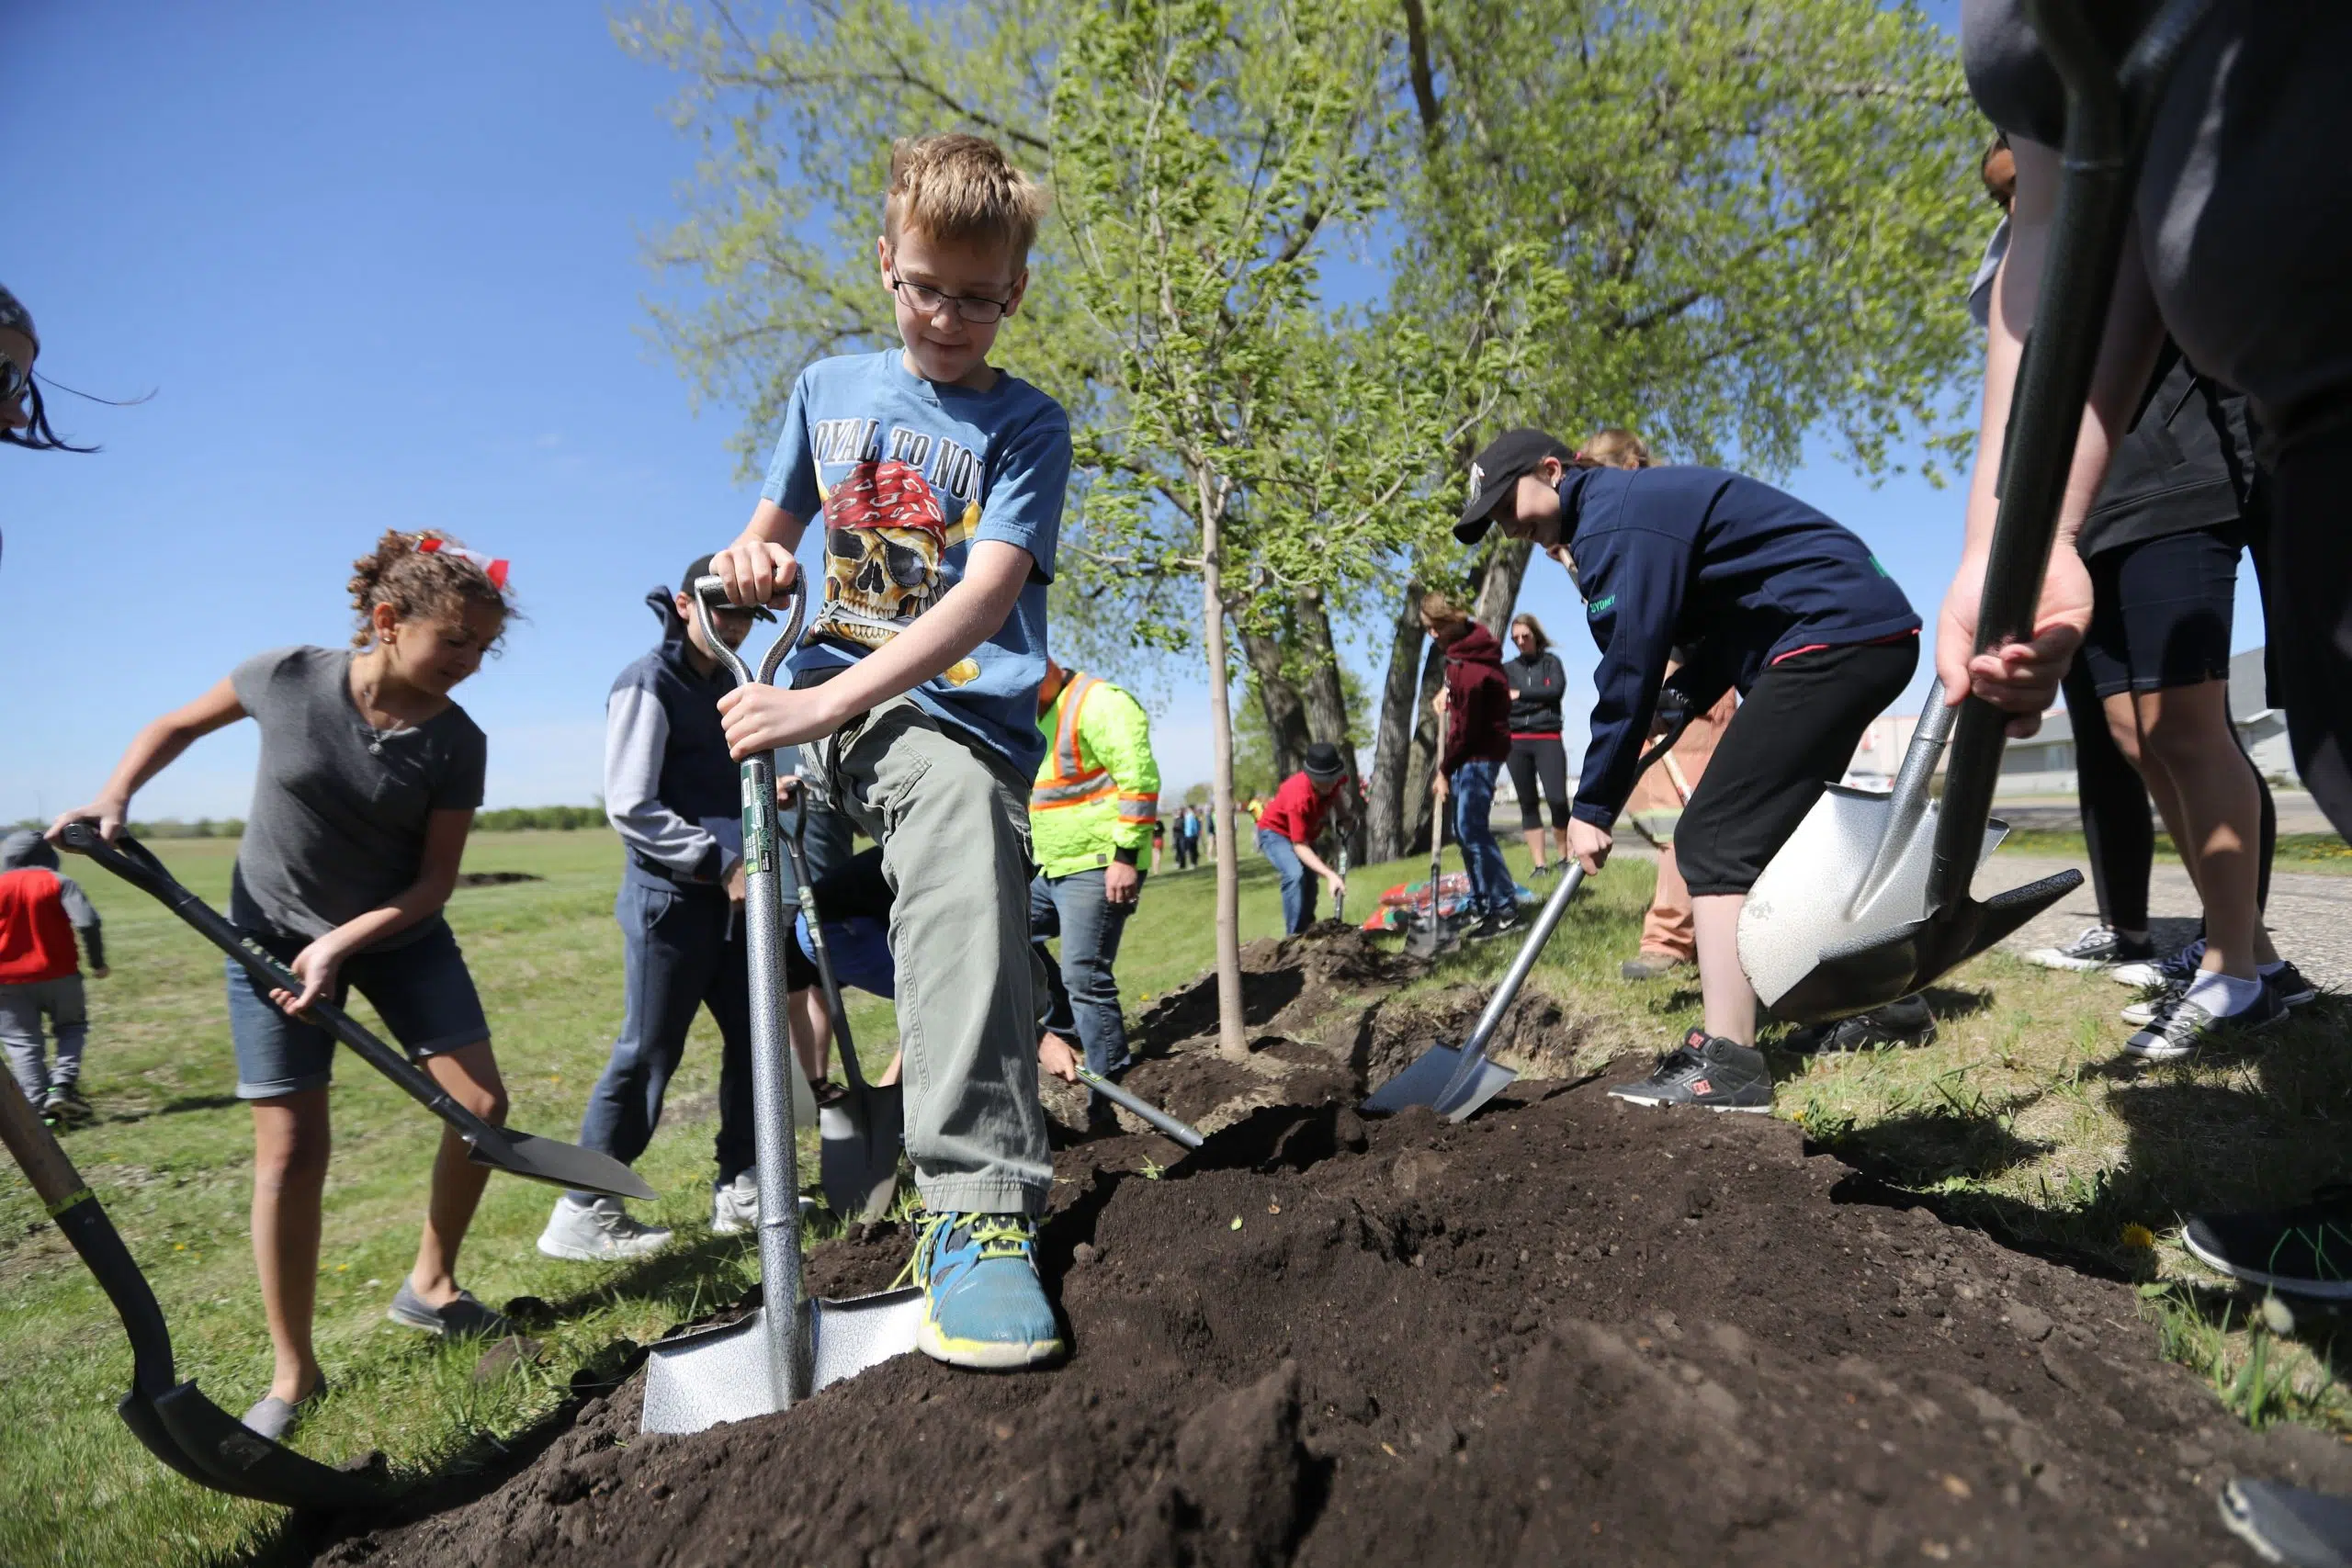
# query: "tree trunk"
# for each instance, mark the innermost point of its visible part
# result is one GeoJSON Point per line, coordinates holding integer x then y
{"type": "Point", "coordinates": [1388, 832]}
{"type": "Point", "coordinates": [1327, 707]}
{"type": "Point", "coordinates": [1498, 586]}
{"type": "Point", "coordinates": [1231, 1038]}
{"type": "Point", "coordinates": [1278, 698]}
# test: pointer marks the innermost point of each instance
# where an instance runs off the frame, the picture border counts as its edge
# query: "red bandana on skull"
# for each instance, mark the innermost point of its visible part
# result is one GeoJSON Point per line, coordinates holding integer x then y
{"type": "Point", "coordinates": [886, 532]}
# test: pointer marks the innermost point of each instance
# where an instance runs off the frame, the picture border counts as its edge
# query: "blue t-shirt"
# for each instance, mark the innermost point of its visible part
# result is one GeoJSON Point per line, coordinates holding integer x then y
{"type": "Point", "coordinates": [907, 473]}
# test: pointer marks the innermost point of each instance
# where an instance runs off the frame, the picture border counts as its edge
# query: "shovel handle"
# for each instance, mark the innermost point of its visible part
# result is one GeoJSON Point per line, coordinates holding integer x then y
{"type": "Point", "coordinates": [137, 865]}
{"type": "Point", "coordinates": [1184, 1133]}
{"type": "Point", "coordinates": [2110, 106]}
{"type": "Point", "coordinates": [55, 1181]}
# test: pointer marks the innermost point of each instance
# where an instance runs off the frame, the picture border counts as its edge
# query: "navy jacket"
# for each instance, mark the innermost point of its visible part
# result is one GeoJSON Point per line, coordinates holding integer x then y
{"type": "Point", "coordinates": [1714, 561]}
{"type": "Point", "coordinates": [671, 789]}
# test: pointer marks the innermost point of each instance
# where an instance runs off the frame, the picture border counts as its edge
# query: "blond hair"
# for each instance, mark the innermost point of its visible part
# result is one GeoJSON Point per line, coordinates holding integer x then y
{"type": "Point", "coordinates": [418, 584]}
{"type": "Point", "coordinates": [1443, 608]}
{"type": "Point", "coordinates": [1615, 448]}
{"type": "Point", "coordinates": [955, 188]}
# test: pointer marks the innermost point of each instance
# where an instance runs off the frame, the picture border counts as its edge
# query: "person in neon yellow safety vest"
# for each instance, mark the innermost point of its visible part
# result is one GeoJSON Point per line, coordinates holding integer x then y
{"type": "Point", "coordinates": [1091, 815]}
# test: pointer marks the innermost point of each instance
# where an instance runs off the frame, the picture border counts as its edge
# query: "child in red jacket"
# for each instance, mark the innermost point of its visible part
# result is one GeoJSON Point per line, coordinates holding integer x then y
{"type": "Point", "coordinates": [1475, 706]}
{"type": "Point", "coordinates": [41, 974]}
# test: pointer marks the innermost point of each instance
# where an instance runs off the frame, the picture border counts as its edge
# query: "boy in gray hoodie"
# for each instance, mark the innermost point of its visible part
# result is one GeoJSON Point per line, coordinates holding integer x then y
{"type": "Point", "coordinates": [41, 974]}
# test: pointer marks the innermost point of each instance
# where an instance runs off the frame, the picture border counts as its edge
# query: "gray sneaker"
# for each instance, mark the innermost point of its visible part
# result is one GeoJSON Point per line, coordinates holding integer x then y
{"type": "Point", "coordinates": [463, 1319]}
{"type": "Point", "coordinates": [598, 1231]}
{"type": "Point", "coordinates": [274, 1417]}
{"type": "Point", "coordinates": [735, 1205]}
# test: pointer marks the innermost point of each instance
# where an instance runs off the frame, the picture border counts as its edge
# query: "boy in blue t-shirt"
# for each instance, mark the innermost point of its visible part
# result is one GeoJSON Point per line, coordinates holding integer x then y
{"type": "Point", "coordinates": [939, 480]}
{"type": "Point", "coordinates": [1773, 598]}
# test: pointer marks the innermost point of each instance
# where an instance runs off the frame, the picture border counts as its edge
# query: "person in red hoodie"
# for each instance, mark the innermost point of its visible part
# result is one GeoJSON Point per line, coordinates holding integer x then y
{"type": "Point", "coordinates": [41, 974]}
{"type": "Point", "coordinates": [1475, 706]}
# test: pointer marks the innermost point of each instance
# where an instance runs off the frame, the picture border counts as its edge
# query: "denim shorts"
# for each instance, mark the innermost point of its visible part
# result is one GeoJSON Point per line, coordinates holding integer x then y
{"type": "Point", "coordinates": [421, 988]}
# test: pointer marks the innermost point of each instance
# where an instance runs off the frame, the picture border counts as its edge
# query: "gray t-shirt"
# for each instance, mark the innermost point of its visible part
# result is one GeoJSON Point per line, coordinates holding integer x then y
{"type": "Point", "coordinates": [339, 811]}
{"type": "Point", "coordinates": [2244, 205]}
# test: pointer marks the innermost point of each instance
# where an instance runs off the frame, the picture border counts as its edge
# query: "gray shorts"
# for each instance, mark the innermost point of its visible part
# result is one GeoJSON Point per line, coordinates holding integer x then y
{"type": "Point", "coordinates": [421, 988]}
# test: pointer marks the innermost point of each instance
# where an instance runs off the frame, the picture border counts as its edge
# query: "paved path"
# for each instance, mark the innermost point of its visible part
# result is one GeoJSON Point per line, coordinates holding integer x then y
{"type": "Point", "coordinates": [2298, 813]}
{"type": "Point", "coordinates": [2310, 913]}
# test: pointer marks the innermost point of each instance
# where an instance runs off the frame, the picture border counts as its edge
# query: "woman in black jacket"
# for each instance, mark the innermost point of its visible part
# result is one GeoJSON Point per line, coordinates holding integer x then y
{"type": "Point", "coordinates": [1537, 684]}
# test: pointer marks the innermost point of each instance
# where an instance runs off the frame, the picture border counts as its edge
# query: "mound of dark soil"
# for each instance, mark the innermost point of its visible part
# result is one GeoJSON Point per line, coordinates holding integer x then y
{"type": "Point", "coordinates": [1568, 1331]}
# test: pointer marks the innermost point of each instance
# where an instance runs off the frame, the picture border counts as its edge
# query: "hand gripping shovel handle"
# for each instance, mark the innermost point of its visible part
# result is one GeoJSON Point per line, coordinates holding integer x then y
{"type": "Point", "coordinates": [517, 1153]}
{"type": "Point", "coordinates": [2108, 109]}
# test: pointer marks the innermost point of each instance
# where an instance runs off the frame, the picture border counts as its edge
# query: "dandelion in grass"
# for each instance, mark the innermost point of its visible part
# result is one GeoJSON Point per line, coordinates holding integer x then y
{"type": "Point", "coordinates": [2139, 1236]}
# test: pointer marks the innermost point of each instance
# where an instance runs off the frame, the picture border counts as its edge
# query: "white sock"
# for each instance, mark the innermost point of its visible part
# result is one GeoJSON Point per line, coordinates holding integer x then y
{"type": "Point", "coordinates": [2223, 995]}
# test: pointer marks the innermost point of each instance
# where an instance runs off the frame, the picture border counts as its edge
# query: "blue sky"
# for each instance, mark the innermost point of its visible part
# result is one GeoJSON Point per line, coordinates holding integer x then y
{"type": "Point", "coordinates": [384, 267]}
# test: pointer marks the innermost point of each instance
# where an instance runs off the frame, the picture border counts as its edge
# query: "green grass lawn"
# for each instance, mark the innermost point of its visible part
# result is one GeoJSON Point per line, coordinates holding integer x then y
{"type": "Point", "coordinates": [2296, 852]}
{"type": "Point", "coordinates": [2016, 1116]}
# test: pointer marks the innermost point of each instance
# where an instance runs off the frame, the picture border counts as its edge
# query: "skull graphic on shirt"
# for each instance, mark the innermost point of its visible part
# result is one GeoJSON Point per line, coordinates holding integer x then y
{"type": "Point", "coordinates": [885, 535]}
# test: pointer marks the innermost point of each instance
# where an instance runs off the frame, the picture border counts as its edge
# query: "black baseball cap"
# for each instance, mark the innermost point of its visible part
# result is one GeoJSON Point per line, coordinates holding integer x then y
{"type": "Point", "coordinates": [1496, 469]}
{"type": "Point", "coordinates": [700, 569]}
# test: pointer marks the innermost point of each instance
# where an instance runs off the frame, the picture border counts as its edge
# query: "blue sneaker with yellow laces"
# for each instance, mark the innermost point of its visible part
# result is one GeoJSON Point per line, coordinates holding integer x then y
{"type": "Point", "coordinates": [983, 1305]}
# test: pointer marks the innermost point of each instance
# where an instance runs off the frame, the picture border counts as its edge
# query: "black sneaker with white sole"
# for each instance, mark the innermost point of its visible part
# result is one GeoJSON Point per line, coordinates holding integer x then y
{"type": "Point", "coordinates": [2302, 1251]}
{"type": "Point", "coordinates": [2181, 1026]}
{"type": "Point", "coordinates": [2152, 974]}
{"type": "Point", "coordinates": [1906, 1022]}
{"type": "Point", "coordinates": [2099, 947]}
{"type": "Point", "coordinates": [1707, 1071]}
{"type": "Point", "coordinates": [2293, 987]}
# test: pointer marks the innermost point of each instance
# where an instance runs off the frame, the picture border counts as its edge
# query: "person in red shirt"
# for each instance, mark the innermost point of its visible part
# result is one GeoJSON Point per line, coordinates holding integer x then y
{"type": "Point", "coordinates": [1475, 706]}
{"type": "Point", "coordinates": [41, 975]}
{"type": "Point", "coordinates": [1289, 825]}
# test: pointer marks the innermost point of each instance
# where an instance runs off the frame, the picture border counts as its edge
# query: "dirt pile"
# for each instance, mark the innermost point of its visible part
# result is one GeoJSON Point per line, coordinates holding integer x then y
{"type": "Point", "coordinates": [1568, 1331]}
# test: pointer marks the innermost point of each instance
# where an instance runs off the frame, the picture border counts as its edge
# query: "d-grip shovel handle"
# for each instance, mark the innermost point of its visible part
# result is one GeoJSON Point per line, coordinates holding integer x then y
{"type": "Point", "coordinates": [2110, 106]}
{"type": "Point", "coordinates": [137, 865]}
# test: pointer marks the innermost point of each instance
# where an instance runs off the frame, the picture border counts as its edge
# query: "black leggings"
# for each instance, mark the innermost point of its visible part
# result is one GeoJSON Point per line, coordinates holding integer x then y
{"type": "Point", "coordinates": [1532, 757]}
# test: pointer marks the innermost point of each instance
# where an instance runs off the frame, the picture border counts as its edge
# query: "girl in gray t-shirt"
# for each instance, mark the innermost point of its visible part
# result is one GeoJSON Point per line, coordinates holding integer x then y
{"type": "Point", "coordinates": [368, 779]}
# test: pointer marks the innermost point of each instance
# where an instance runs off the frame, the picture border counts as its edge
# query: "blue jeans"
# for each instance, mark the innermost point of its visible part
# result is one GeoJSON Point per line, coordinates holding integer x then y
{"type": "Point", "coordinates": [1085, 994]}
{"type": "Point", "coordinates": [1491, 888]}
{"type": "Point", "coordinates": [683, 950]}
{"type": "Point", "coordinates": [1299, 884]}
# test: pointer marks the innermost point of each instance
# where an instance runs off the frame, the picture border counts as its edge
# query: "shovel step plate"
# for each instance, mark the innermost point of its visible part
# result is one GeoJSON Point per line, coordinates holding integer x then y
{"type": "Point", "coordinates": [697, 1381]}
{"type": "Point", "coordinates": [1421, 1083]}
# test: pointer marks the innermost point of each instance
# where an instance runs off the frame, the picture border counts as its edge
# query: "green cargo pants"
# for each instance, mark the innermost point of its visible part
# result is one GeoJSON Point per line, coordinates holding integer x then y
{"type": "Point", "coordinates": [952, 822]}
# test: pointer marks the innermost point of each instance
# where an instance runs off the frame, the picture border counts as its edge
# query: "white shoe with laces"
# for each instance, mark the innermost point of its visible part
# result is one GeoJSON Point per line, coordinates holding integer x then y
{"type": "Point", "coordinates": [2150, 973]}
{"type": "Point", "coordinates": [735, 1205]}
{"type": "Point", "coordinates": [600, 1232]}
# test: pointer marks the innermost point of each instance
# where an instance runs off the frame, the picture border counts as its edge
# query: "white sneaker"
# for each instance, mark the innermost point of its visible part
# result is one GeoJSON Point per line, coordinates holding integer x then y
{"type": "Point", "coordinates": [598, 1231]}
{"type": "Point", "coordinates": [735, 1205]}
{"type": "Point", "coordinates": [2180, 969]}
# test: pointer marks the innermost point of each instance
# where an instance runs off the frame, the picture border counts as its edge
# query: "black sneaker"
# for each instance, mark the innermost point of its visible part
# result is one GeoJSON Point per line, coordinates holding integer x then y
{"type": "Point", "coordinates": [2293, 987]}
{"type": "Point", "coordinates": [2303, 1251]}
{"type": "Point", "coordinates": [64, 1107]}
{"type": "Point", "coordinates": [2099, 947]}
{"type": "Point", "coordinates": [1904, 1022]}
{"type": "Point", "coordinates": [2180, 1025]}
{"type": "Point", "coordinates": [1708, 1071]}
{"type": "Point", "coordinates": [2288, 1524]}
{"type": "Point", "coordinates": [1494, 926]}
{"type": "Point", "coordinates": [2154, 974]}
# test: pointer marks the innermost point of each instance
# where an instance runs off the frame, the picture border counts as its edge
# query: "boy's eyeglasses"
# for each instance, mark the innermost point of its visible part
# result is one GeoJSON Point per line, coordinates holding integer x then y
{"type": "Point", "coordinates": [975, 308]}
{"type": "Point", "coordinates": [14, 379]}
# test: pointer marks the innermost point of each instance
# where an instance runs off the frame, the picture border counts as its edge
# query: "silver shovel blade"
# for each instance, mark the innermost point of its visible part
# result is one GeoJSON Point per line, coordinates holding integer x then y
{"type": "Point", "coordinates": [697, 1381]}
{"type": "Point", "coordinates": [857, 1156]}
{"type": "Point", "coordinates": [1424, 1082]}
{"type": "Point", "coordinates": [1814, 897]}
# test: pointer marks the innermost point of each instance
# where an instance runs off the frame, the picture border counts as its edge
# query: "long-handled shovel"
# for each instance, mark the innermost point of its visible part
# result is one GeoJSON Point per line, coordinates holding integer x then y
{"type": "Point", "coordinates": [1455, 1083]}
{"type": "Point", "coordinates": [1891, 909]}
{"type": "Point", "coordinates": [790, 1348]}
{"type": "Point", "coordinates": [501, 1148]}
{"type": "Point", "coordinates": [859, 1136]}
{"type": "Point", "coordinates": [1439, 934]}
{"type": "Point", "coordinates": [1183, 1132]}
{"type": "Point", "coordinates": [177, 1424]}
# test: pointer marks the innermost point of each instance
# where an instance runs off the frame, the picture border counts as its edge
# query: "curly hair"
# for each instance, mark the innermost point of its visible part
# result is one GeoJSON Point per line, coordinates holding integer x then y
{"type": "Point", "coordinates": [417, 583]}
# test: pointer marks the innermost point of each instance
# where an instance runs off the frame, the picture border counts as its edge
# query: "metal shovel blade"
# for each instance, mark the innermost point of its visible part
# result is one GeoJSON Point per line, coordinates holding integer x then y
{"type": "Point", "coordinates": [1424, 1083]}
{"type": "Point", "coordinates": [1436, 934]}
{"type": "Point", "coordinates": [1817, 898]}
{"type": "Point", "coordinates": [558, 1164]}
{"type": "Point", "coordinates": [858, 1139]}
{"type": "Point", "coordinates": [1872, 971]}
{"type": "Point", "coordinates": [697, 1381]}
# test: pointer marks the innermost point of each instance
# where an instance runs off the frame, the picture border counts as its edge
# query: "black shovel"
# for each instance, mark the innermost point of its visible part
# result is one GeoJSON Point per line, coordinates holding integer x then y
{"type": "Point", "coordinates": [177, 1424]}
{"type": "Point", "coordinates": [2108, 107]}
{"type": "Point", "coordinates": [860, 1135]}
{"type": "Point", "coordinates": [502, 1148]}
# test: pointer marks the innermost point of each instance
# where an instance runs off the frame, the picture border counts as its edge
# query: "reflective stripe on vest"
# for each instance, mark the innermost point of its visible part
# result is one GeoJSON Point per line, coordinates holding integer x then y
{"type": "Point", "coordinates": [1071, 783]}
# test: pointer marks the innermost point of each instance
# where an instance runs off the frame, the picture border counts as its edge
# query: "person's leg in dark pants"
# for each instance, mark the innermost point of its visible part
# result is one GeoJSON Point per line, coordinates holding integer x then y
{"type": "Point", "coordinates": [1523, 784]}
{"type": "Point", "coordinates": [667, 946]}
{"type": "Point", "coordinates": [2118, 827]}
{"type": "Point", "coordinates": [1091, 928]}
{"type": "Point", "coordinates": [729, 998]}
{"type": "Point", "coordinates": [1491, 888]}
